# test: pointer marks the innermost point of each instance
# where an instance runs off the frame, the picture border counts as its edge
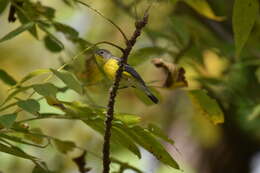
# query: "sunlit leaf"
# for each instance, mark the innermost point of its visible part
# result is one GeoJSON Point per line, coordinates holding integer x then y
{"type": "Point", "coordinates": [29, 105]}
{"type": "Point", "coordinates": [128, 119]}
{"type": "Point", "coordinates": [7, 120]}
{"type": "Point", "coordinates": [69, 79]}
{"type": "Point", "coordinates": [17, 31]}
{"type": "Point", "coordinates": [206, 106]}
{"type": "Point", "coordinates": [159, 133]}
{"type": "Point", "coordinates": [143, 54]}
{"type": "Point", "coordinates": [46, 89]}
{"type": "Point", "coordinates": [6, 78]}
{"type": "Point", "coordinates": [202, 7]}
{"type": "Point", "coordinates": [245, 14]}
{"type": "Point", "coordinates": [64, 146]}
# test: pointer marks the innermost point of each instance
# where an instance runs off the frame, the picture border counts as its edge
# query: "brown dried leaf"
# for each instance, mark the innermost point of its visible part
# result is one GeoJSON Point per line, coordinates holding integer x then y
{"type": "Point", "coordinates": [175, 76]}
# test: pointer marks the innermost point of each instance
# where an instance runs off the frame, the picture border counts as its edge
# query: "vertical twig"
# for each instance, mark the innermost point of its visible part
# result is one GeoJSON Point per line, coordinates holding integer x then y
{"type": "Point", "coordinates": [139, 25]}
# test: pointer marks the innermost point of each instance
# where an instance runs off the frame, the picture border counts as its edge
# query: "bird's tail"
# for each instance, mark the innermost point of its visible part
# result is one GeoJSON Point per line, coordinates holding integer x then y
{"type": "Point", "coordinates": [149, 93]}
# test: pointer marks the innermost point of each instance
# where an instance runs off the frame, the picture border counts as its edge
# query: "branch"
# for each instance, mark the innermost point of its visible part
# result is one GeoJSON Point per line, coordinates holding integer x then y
{"type": "Point", "coordinates": [139, 25]}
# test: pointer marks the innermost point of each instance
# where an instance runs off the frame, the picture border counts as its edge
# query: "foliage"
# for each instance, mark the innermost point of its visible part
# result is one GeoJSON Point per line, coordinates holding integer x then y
{"type": "Point", "coordinates": [186, 37]}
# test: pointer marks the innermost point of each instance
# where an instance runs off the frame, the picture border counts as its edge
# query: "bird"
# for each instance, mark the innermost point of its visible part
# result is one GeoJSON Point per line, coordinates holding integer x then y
{"type": "Point", "coordinates": [130, 76]}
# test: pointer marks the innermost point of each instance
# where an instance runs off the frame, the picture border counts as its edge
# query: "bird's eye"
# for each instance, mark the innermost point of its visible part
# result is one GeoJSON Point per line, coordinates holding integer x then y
{"type": "Point", "coordinates": [101, 52]}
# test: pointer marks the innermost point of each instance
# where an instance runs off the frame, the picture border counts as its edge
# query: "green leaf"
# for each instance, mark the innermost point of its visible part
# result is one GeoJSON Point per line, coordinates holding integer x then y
{"type": "Point", "coordinates": [255, 113]}
{"type": "Point", "coordinates": [64, 146]}
{"type": "Point", "coordinates": [29, 105]}
{"type": "Point", "coordinates": [159, 133]}
{"type": "Point", "coordinates": [206, 106]}
{"type": "Point", "coordinates": [128, 119]}
{"type": "Point", "coordinates": [23, 19]}
{"type": "Point", "coordinates": [46, 89]}
{"type": "Point", "coordinates": [14, 93]}
{"type": "Point", "coordinates": [3, 5]}
{"type": "Point", "coordinates": [17, 31]}
{"type": "Point", "coordinates": [17, 139]}
{"type": "Point", "coordinates": [53, 44]}
{"type": "Point", "coordinates": [147, 140]}
{"type": "Point", "coordinates": [69, 79]}
{"type": "Point", "coordinates": [8, 120]}
{"type": "Point", "coordinates": [245, 14]}
{"type": "Point", "coordinates": [16, 152]}
{"type": "Point", "coordinates": [143, 54]}
{"type": "Point", "coordinates": [38, 169]}
{"type": "Point", "coordinates": [203, 8]}
{"type": "Point", "coordinates": [66, 29]}
{"type": "Point", "coordinates": [6, 78]}
{"type": "Point", "coordinates": [33, 74]}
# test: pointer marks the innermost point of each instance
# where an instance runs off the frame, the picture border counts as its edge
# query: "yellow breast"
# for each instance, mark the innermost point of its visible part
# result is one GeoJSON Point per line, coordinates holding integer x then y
{"type": "Point", "coordinates": [110, 68]}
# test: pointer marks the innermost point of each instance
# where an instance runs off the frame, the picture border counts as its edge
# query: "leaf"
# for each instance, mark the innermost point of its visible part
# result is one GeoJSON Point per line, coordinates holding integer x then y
{"type": "Point", "coordinates": [147, 140]}
{"type": "Point", "coordinates": [53, 44]}
{"type": "Point", "coordinates": [46, 89]}
{"type": "Point", "coordinates": [128, 119]}
{"type": "Point", "coordinates": [64, 146]}
{"type": "Point", "coordinates": [255, 113]}
{"type": "Point", "coordinates": [38, 169]}
{"type": "Point", "coordinates": [17, 139]}
{"type": "Point", "coordinates": [3, 5]}
{"type": "Point", "coordinates": [206, 106]}
{"type": "Point", "coordinates": [175, 76]}
{"type": "Point", "coordinates": [14, 93]}
{"type": "Point", "coordinates": [16, 152]}
{"type": "Point", "coordinates": [66, 29]}
{"type": "Point", "coordinates": [70, 80]}
{"type": "Point", "coordinates": [81, 163]}
{"type": "Point", "coordinates": [23, 19]}
{"type": "Point", "coordinates": [29, 105]}
{"type": "Point", "coordinates": [159, 133]}
{"type": "Point", "coordinates": [6, 78]}
{"type": "Point", "coordinates": [143, 54]}
{"type": "Point", "coordinates": [33, 137]}
{"type": "Point", "coordinates": [17, 31]}
{"type": "Point", "coordinates": [203, 8]}
{"type": "Point", "coordinates": [245, 14]}
{"type": "Point", "coordinates": [8, 120]}
{"type": "Point", "coordinates": [33, 74]}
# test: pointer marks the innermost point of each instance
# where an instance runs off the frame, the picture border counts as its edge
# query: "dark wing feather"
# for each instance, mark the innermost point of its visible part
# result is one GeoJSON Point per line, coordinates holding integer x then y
{"type": "Point", "coordinates": [134, 73]}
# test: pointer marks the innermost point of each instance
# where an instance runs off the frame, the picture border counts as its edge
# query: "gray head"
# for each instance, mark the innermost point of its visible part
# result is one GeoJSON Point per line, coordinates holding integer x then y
{"type": "Point", "coordinates": [104, 53]}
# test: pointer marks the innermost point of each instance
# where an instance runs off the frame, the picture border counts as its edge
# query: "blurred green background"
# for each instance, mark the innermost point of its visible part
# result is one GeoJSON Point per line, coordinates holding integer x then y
{"type": "Point", "coordinates": [194, 34]}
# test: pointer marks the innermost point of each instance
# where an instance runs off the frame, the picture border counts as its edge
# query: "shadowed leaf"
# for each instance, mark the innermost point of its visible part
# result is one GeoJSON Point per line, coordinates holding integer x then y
{"type": "Point", "coordinates": [245, 14]}
{"type": "Point", "coordinates": [6, 78]}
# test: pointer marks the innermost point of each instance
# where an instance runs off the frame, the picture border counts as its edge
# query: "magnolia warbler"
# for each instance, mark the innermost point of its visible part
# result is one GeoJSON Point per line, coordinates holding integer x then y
{"type": "Point", "coordinates": [110, 66]}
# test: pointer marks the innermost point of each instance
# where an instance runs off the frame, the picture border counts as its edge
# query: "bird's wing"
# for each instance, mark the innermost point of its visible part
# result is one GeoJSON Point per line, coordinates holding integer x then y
{"type": "Point", "coordinates": [130, 70]}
